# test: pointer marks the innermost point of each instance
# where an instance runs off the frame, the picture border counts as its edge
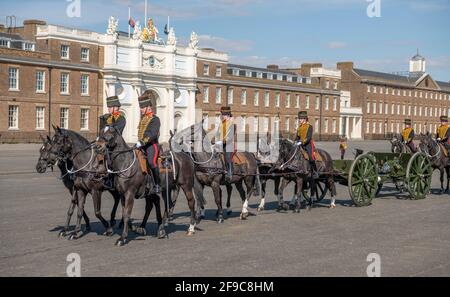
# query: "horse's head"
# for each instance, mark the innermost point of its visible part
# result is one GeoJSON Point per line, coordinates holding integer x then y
{"type": "Point", "coordinates": [46, 158]}
{"type": "Point", "coordinates": [61, 143]}
{"type": "Point", "coordinates": [426, 143]}
{"type": "Point", "coordinates": [286, 149]}
{"type": "Point", "coordinates": [107, 139]}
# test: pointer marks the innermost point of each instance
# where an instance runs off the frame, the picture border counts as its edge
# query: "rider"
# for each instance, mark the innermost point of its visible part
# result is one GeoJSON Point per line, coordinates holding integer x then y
{"type": "Point", "coordinates": [304, 139]}
{"type": "Point", "coordinates": [443, 132]}
{"type": "Point", "coordinates": [408, 135]}
{"type": "Point", "coordinates": [148, 135]}
{"type": "Point", "coordinates": [225, 139]}
{"type": "Point", "coordinates": [114, 117]}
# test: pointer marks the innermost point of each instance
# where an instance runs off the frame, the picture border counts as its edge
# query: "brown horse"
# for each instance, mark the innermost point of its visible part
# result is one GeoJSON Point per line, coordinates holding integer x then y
{"type": "Point", "coordinates": [437, 156]}
{"type": "Point", "coordinates": [210, 168]}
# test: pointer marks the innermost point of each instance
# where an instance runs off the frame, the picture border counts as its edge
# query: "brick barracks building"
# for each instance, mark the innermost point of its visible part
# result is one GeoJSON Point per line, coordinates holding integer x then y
{"type": "Point", "coordinates": [387, 99]}
{"type": "Point", "coordinates": [48, 75]}
{"type": "Point", "coordinates": [262, 98]}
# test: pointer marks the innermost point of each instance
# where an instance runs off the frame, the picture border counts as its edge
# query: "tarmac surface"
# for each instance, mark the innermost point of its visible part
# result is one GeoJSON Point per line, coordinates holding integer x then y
{"type": "Point", "coordinates": [412, 238]}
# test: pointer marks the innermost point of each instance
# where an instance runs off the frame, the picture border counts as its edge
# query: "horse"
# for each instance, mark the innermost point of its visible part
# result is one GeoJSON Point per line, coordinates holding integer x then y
{"type": "Point", "coordinates": [69, 145]}
{"type": "Point", "coordinates": [48, 160]}
{"type": "Point", "coordinates": [209, 168]}
{"type": "Point", "coordinates": [398, 146]}
{"type": "Point", "coordinates": [436, 154]}
{"type": "Point", "coordinates": [294, 167]}
{"type": "Point", "coordinates": [130, 180]}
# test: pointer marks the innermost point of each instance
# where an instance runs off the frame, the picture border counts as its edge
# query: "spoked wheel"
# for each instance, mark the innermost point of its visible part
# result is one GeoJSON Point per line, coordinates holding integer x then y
{"type": "Point", "coordinates": [363, 180]}
{"type": "Point", "coordinates": [322, 190]}
{"type": "Point", "coordinates": [418, 176]}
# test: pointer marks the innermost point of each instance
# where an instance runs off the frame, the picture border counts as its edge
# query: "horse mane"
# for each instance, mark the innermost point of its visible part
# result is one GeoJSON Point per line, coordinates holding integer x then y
{"type": "Point", "coordinates": [75, 135]}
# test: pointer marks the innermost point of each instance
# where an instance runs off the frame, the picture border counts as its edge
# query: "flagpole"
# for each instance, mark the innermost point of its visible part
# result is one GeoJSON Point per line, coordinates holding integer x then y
{"type": "Point", "coordinates": [129, 18]}
{"type": "Point", "coordinates": [145, 20]}
{"type": "Point", "coordinates": [168, 23]}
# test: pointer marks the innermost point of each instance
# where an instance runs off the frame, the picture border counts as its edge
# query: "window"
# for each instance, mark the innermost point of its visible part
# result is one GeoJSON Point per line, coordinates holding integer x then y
{"type": "Point", "coordinates": [386, 108]}
{"type": "Point", "coordinates": [307, 102]}
{"type": "Point", "coordinates": [297, 101]}
{"type": "Point", "coordinates": [380, 127]}
{"type": "Point", "coordinates": [409, 110]}
{"type": "Point", "coordinates": [84, 119]}
{"type": "Point", "coordinates": [85, 54]}
{"type": "Point", "coordinates": [40, 81]}
{"type": "Point", "coordinates": [368, 107]}
{"type": "Point", "coordinates": [64, 51]}
{"type": "Point", "coordinates": [27, 46]}
{"type": "Point", "coordinates": [206, 69]}
{"type": "Point", "coordinates": [40, 117]}
{"type": "Point", "coordinates": [230, 96]}
{"type": "Point", "coordinates": [256, 98]}
{"type": "Point", "coordinates": [380, 110]}
{"type": "Point", "coordinates": [288, 100]}
{"type": "Point", "coordinates": [335, 85]}
{"type": "Point", "coordinates": [218, 71]}
{"type": "Point", "coordinates": [316, 124]}
{"type": "Point", "coordinates": [13, 78]}
{"type": "Point", "coordinates": [387, 91]}
{"type": "Point", "coordinates": [205, 121]}
{"type": "Point", "coordinates": [286, 124]}
{"type": "Point", "coordinates": [64, 86]}
{"type": "Point", "coordinates": [266, 124]}
{"type": "Point", "coordinates": [325, 123]}
{"type": "Point", "coordinates": [367, 127]}
{"type": "Point", "coordinates": [398, 109]}
{"type": "Point", "coordinates": [398, 92]}
{"type": "Point", "coordinates": [420, 111]}
{"type": "Point", "coordinates": [392, 108]}
{"type": "Point", "coordinates": [381, 90]}
{"type": "Point", "coordinates": [255, 124]}
{"type": "Point", "coordinates": [5, 43]}
{"type": "Point", "coordinates": [327, 84]}
{"type": "Point", "coordinates": [374, 105]}
{"type": "Point", "coordinates": [84, 84]}
{"type": "Point", "coordinates": [13, 117]}
{"type": "Point", "coordinates": [335, 103]}
{"type": "Point", "coordinates": [334, 127]}
{"type": "Point", "coordinates": [398, 128]}
{"type": "Point", "coordinates": [205, 94]}
{"type": "Point", "coordinates": [327, 103]}
{"type": "Point", "coordinates": [266, 99]}
{"type": "Point", "coordinates": [368, 89]}
{"type": "Point", "coordinates": [392, 127]}
{"type": "Point", "coordinates": [244, 123]}
{"type": "Point", "coordinates": [374, 89]}
{"type": "Point", "coordinates": [374, 127]}
{"type": "Point", "coordinates": [426, 111]}
{"type": "Point", "coordinates": [404, 109]}
{"type": "Point", "coordinates": [219, 95]}
{"type": "Point", "coordinates": [404, 92]}
{"type": "Point", "coordinates": [244, 97]}
{"type": "Point", "coordinates": [277, 99]}
{"type": "Point", "coordinates": [316, 103]}
{"type": "Point", "coordinates": [64, 118]}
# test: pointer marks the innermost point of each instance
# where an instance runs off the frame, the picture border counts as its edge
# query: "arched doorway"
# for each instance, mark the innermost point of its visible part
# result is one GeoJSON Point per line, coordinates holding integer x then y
{"type": "Point", "coordinates": [178, 122]}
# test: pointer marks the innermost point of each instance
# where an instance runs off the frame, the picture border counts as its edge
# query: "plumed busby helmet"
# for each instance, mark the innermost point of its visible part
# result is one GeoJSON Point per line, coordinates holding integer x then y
{"type": "Point", "coordinates": [302, 115]}
{"type": "Point", "coordinates": [225, 110]}
{"type": "Point", "coordinates": [408, 121]}
{"type": "Point", "coordinates": [444, 118]}
{"type": "Point", "coordinates": [147, 99]}
{"type": "Point", "coordinates": [113, 101]}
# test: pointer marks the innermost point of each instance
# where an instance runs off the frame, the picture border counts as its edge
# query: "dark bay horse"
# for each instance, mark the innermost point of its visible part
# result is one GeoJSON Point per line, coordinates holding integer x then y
{"type": "Point", "coordinates": [292, 164]}
{"type": "Point", "coordinates": [439, 160]}
{"type": "Point", "coordinates": [129, 180]}
{"type": "Point", "coordinates": [48, 160]}
{"type": "Point", "coordinates": [209, 167]}
{"type": "Point", "coordinates": [397, 146]}
{"type": "Point", "coordinates": [72, 148]}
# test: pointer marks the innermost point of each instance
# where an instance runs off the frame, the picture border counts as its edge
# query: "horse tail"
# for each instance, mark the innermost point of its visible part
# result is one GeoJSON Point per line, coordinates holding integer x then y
{"type": "Point", "coordinates": [258, 183]}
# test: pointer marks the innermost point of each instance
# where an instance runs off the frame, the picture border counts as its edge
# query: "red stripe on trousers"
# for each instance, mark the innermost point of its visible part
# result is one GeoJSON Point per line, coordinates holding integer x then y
{"type": "Point", "coordinates": [313, 150]}
{"type": "Point", "coordinates": [155, 157]}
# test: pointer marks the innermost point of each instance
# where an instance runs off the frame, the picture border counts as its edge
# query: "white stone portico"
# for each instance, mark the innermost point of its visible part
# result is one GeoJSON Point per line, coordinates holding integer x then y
{"type": "Point", "coordinates": [351, 117]}
{"type": "Point", "coordinates": [132, 66]}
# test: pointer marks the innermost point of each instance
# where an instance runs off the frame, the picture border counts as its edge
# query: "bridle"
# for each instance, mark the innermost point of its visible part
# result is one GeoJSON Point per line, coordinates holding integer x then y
{"type": "Point", "coordinates": [434, 144]}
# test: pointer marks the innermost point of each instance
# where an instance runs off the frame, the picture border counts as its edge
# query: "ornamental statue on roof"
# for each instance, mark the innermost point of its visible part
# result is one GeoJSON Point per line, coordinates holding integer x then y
{"type": "Point", "coordinates": [150, 33]}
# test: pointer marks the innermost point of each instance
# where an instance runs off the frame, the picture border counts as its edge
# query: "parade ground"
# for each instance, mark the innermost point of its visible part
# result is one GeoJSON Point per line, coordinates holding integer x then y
{"type": "Point", "coordinates": [411, 238]}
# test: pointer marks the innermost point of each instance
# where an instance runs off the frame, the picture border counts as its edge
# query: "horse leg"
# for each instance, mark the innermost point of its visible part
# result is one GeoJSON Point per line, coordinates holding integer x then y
{"type": "Point", "coordinates": [161, 229]}
{"type": "Point", "coordinates": [262, 203]}
{"type": "Point", "coordinates": [72, 205]}
{"type": "Point", "coordinates": [298, 195]}
{"type": "Point", "coordinates": [127, 207]}
{"type": "Point", "coordinates": [116, 197]}
{"type": "Point", "coordinates": [244, 211]}
{"type": "Point", "coordinates": [218, 198]}
{"type": "Point", "coordinates": [281, 204]}
{"type": "Point", "coordinates": [81, 200]}
{"type": "Point", "coordinates": [141, 230]}
{"type": "Point", "coordinates": [441, 171]}
{"type": "Point", "coordinates": [332, 187]}
{"type": "Point", "coordinates": [294, 196]}
{"type": "Point", "coordinates": [173, 201]}
{"type": "Point", "coordinates": [447, 170]}
{"type": "Point", "coordinates": [229, 191]}
{"type": "Point", "coordinates": [198, 190]}
{"type": "Point", "coordinates": [97, 199]}
{"type": "Point", "coordinates": [191, 202]}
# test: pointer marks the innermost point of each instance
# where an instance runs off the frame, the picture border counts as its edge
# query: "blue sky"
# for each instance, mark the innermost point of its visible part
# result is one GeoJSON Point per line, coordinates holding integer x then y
{"type": "Point", "coordinates": [283, 32]}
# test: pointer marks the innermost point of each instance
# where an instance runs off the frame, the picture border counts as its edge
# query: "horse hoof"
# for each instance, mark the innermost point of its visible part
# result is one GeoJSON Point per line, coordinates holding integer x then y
{"type": "Point", "coordinates": [108, 233]}
{"type": "Point", "coordinates": [220, 220]}
{"type": "Point", "coordinates": [244, 216]}
{"type": "Point", "coordinates": [62, 234]}
{"type": "Point", "coordinates": [332, 206]}
{"type": "Point", "coordinates": [190, 233]}
{"type": "Point", "coordinates": [162, 234]}
{"type": "Point", "coordinates": [120, 242]}
{"type": "Point", "coordinates": [285, 206]}
{"type": "Point", "coordinates": [140, 231]}
{"type": "Point", "coordinates": [260, 209]}
{"type": "Point", "coordinates": [72, 237]}
{"type": "Point", "coordinates": [297, 210]}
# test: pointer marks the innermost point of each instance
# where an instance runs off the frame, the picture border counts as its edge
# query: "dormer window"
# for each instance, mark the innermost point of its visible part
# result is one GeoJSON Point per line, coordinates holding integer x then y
{"type": "Point", "coordinates": [28, 46]}
{"type": "Point", "coordinates": [5, 43]}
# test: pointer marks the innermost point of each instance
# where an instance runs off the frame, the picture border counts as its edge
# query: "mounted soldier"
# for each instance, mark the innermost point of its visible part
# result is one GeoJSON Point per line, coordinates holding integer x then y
{"type": "Point", "coordinates": [148, 135]}
{"type": "Point", "coordinates": [304, 140]}
{"type": "Point", "coordinates": [114, 117]}
{"type": "Point", "coordinates": [443, 132]}
{"type": "Point", "coordinates": [408, 135]}
{"type": "Point", "coordinates": [226, 139]}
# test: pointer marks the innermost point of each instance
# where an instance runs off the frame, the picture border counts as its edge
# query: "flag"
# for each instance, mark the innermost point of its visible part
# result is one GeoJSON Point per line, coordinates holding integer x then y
{"type": "Point", "coordinates": [132, 23]}
{"type": "Point", "coordinates": [166, 30]}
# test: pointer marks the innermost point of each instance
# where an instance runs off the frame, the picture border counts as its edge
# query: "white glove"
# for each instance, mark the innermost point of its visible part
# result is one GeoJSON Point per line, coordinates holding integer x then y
{"type": "Point", "coordinates": [219, 143]}
{"type": "Point", "coordinates": [138, 144]}
{"type": "Point", "coordinates": [439, 139]}
{"type": "Point", "coordinates": [298, 143]}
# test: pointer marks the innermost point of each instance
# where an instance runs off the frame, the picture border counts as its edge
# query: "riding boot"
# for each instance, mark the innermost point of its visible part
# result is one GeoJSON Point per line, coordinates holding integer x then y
{"type": "Point", "coordinates": [156, 179]}
{"type": "Point", "coordinates": [314, 173]}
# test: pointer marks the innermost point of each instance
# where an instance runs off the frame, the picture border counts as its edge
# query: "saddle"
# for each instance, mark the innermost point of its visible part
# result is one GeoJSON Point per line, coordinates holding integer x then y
{"type": "Point", "coordinates": [238, 162]}
{"type": "Point", "coordinates": [444, 149]}
{"type": "Point", "coordinates": [317, 156]}
{"type": "Point", "coordinates": [143, 161]}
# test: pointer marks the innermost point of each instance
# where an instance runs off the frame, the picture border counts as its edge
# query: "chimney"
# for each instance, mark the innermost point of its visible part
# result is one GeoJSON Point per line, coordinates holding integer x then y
{"type": "Point", "coordinates": [2, 28]}
{"type": "Point", "coordinates": [30, 29]}
{"type": "Point", "coordinates": [348, 66]}
{"type": "Point", "coordinates": [273, 67]}
{"type": "Point", "coordinates": [305, 69]}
